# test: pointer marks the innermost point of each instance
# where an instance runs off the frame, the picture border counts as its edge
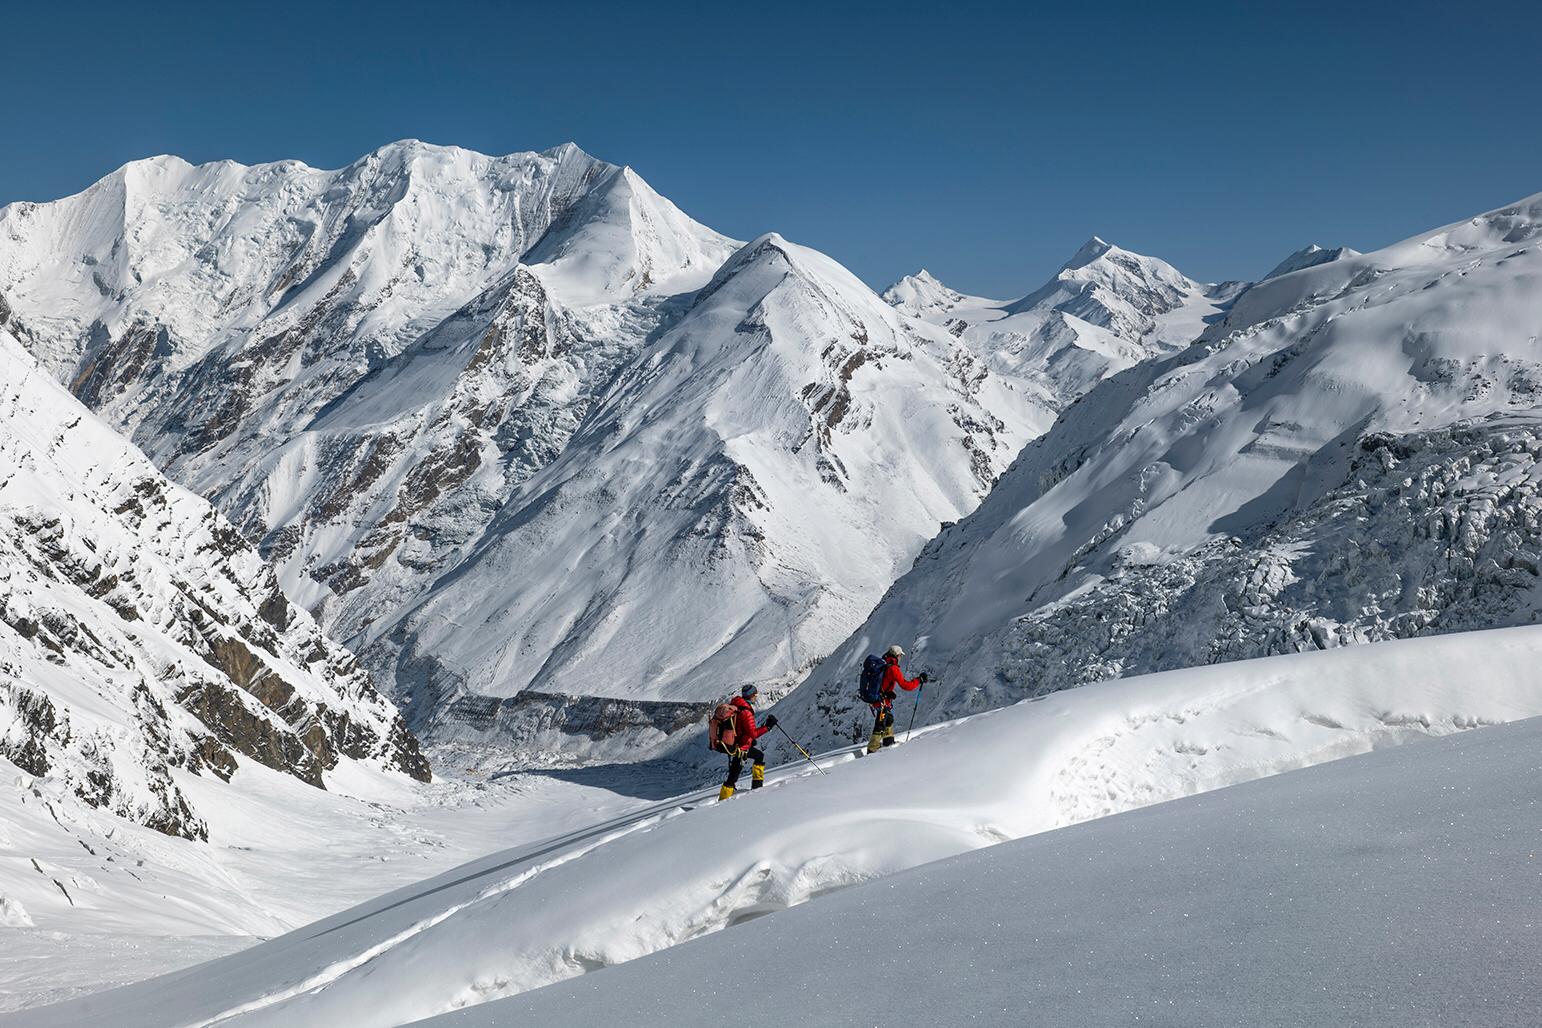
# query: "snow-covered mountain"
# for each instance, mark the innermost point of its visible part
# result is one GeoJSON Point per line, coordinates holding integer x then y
{"type": "Point", "coordinates": [220, 313]}
{"type": "Point", "coordinates": [922, 294]}
{"type": "Point", "coordinates": [1351, 455]}
{"type": "Point", "coordinates": [1309, 256]}
{"type": "Point", "coordinates": [492, 418]}
{"type": "Point", "coordinates": [565, 467]}
{"type": "Point", "coordinates": [1105, 310]}
{"type": "Point", "coordinates": [1135, 297]}
{"type": "Point", "coordinates": [740, 495]}
{"type": "Point", "coordinates": [139, 634]}
{"type": "Point", "coordinates": [301, 267]}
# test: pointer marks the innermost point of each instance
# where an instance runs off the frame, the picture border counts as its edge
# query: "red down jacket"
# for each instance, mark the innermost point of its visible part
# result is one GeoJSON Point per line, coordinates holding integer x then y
{"type": "Point", "coordinates": [745, 729]}
{"type": "Point", "coordinates": [894, 678]}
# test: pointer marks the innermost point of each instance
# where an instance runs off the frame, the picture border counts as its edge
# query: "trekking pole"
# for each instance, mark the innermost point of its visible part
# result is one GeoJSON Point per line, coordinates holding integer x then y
{"type": "Point", "coordinates": [800, 749]}
{"type": "Point", "coordinates": [913, 710]}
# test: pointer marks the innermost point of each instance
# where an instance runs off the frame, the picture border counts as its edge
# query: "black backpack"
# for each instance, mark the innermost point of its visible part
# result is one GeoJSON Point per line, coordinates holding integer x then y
{"type": "Point", "coordinates": [870, 685]}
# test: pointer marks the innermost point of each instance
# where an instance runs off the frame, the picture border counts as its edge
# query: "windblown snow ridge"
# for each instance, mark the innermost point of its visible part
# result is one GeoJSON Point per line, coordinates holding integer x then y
{"type": "Point", "coordinates": [515, 921]}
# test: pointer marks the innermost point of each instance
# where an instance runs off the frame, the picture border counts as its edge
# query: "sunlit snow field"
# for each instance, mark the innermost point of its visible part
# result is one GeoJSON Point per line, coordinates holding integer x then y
{"type": "Point", "coordinates": [280, 855]}
{"type": "Point", "coordinates": [638, 883]}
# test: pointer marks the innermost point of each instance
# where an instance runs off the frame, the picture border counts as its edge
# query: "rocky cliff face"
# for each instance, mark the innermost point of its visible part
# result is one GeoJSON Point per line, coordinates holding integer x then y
{"type": "Point", "coordinates": [140, 634]}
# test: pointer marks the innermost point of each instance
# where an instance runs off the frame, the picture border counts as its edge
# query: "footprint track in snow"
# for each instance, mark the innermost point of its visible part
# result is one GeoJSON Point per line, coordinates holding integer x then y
{"type": "Point", "coordinates": [609, 832]}
{"type": "Point", "coordinates": [566, 848]}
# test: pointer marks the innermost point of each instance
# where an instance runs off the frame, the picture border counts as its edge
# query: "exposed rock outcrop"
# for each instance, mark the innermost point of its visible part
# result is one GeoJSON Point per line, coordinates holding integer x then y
{"type": "Point", "coordinates": [140, 634]}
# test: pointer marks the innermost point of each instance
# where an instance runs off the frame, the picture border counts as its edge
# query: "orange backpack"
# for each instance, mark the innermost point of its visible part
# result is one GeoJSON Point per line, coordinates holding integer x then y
{"type": "Point", "coordinates": [720, 730]}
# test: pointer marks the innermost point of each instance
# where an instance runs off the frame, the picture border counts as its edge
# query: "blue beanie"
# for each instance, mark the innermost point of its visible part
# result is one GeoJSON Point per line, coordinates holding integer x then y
{"type": "Point", "coordinates": [748, 691]}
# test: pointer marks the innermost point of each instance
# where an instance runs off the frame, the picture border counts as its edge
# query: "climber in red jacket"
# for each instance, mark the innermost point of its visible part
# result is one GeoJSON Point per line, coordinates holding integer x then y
{"type": "Point", "coordinates": [883, 710]}
{"type": "Point", "coordinates": [745, 734]}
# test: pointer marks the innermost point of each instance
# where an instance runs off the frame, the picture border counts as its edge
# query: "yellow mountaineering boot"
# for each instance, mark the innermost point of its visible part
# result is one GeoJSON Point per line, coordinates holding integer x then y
{"type": "Point", "coordinates": [757, 775]}
{"type": "Point", "coordinates": [875, 743]}
{"type": "Point", "coordinates": [724, 793]}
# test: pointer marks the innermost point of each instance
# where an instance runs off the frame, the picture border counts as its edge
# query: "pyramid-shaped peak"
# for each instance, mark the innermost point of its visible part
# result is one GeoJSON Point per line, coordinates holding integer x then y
{"type": "Point", "coordinates": [921, 292]}
{"type": "Point", "coordinates": [1090, 251]}
{"type": "Point", "coordinates": [570, 151]}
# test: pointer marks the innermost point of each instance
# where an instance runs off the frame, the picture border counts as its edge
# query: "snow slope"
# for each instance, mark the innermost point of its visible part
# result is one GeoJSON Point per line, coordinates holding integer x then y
{"type": "Point", "coordinates": [1350, 455]}
{"type": "Point", "coordinates": [96, 901]}
{"type": "Point", "coordinates": [139, 634]}
{"type": "Point", "coordinates": [1397, 888]}
{"type": "Point", "coordinates": [622, 889]}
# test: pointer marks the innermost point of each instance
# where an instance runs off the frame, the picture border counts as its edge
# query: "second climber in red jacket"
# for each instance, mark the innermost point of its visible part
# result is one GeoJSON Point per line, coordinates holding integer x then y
{"type": "Point", "coordinates": [745, 734]}
{"type": "Point", "coordinates": [883, 710]}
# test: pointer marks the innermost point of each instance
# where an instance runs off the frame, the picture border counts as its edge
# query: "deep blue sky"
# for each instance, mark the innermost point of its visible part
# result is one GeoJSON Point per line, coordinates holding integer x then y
{"type": "Point", "coordinates": [985, 142]}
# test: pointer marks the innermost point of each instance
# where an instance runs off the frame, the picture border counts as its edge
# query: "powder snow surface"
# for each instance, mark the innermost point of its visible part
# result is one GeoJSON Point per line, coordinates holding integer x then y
{"type": "Point", "coordinates": [1397, 888]}
{"type": "Point", "coordinates": [646, 881]}
{"type": "Point", "coordinates": [107, 902]}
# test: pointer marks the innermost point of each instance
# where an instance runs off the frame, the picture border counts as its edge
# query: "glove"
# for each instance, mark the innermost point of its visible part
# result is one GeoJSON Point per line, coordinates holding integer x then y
{"type": "Point", "coordinates": [770, 721]}
{"type": "Point", "coordinates": [923, 678]}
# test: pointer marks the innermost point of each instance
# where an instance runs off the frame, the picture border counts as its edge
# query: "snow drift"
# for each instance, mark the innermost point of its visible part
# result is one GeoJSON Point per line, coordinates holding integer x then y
{"type": "Point", "coordinates": [1397, 889]}
{"type": "Point", "coordinates": [619, 890]}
